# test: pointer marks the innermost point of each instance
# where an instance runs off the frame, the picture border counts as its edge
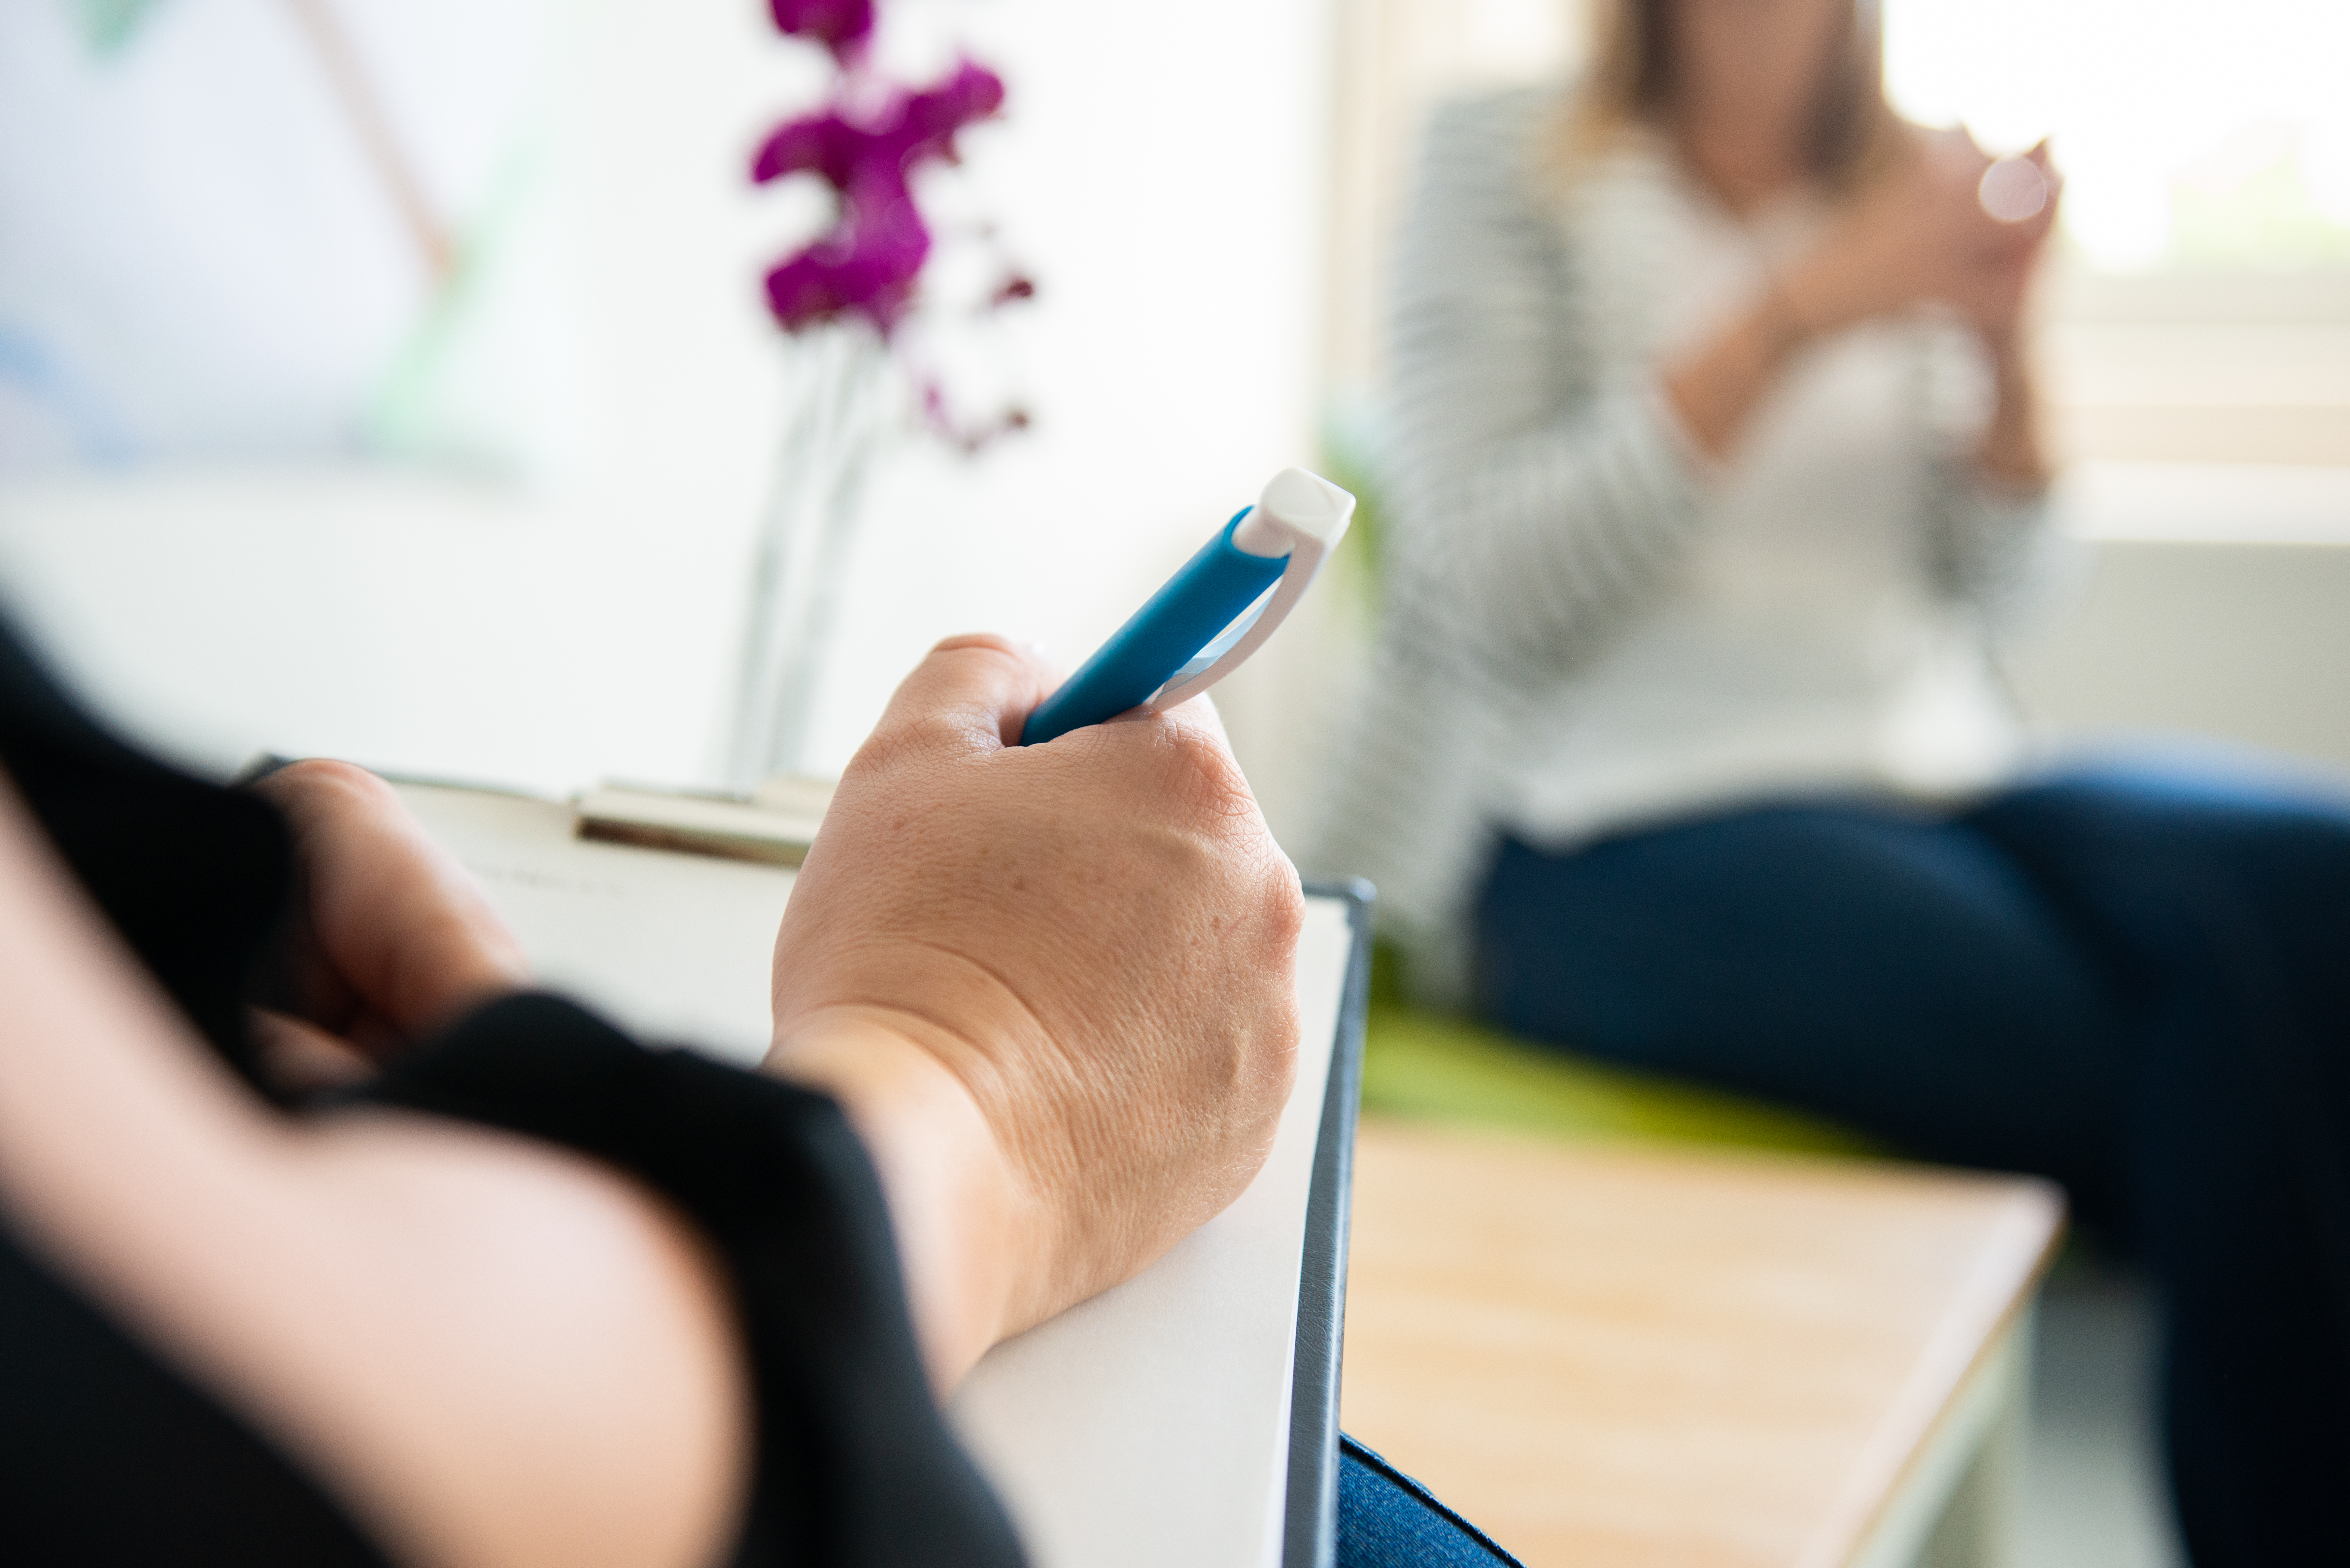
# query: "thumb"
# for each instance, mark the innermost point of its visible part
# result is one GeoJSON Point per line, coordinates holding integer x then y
{"type": "Point", "coordinates": [974, 690]}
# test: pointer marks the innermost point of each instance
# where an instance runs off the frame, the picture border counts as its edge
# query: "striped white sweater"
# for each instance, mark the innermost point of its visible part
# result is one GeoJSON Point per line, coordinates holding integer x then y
{"type": "Point", "coordinates": [1587, 623]}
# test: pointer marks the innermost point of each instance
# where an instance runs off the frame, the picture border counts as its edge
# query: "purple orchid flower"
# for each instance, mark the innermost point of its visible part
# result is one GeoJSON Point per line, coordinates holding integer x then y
{"type": "Point", "coordinates": [866, 144]}
{"type": "Point", "coordinates": [841, 25]}
{"type": "Point", "coordinates": [867, 264]}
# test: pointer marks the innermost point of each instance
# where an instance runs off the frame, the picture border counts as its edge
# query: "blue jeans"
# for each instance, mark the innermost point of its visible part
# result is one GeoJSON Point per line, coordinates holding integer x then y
{"type": "Point", "coordinates": [2134, 980]}
{"type": "Point", "coordinates": [1387, 1520]}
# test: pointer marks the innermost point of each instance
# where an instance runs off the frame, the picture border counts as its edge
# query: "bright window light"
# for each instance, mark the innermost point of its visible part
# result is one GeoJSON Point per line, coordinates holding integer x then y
{"type": "Point", "coordinates": [2192, 133]}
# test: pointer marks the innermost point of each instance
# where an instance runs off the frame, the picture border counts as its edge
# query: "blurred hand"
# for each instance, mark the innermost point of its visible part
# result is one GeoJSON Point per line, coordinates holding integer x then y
{"type": "Point", "coordinates": [395, 940]}
{"type": "Point", "coordinates": [1920, 233]}
{"type": "Point", "coordinates": [1079, 956]}
{"type": "Point", "coordinates": [1992, 296]}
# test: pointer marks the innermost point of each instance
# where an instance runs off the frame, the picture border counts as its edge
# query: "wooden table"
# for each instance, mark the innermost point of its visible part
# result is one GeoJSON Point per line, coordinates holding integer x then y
{"type": "Point", "coordinates": [1612, 1355]}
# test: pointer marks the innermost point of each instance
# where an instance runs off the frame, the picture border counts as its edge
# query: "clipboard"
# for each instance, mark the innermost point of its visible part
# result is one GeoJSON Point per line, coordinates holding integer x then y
{"type": "Point", "coordinates": [1188, 1417]}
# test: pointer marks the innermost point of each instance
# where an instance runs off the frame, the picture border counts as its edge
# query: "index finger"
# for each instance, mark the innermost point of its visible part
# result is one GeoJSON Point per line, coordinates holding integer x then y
{"type": "Point", "coordinates": [1183, 748]}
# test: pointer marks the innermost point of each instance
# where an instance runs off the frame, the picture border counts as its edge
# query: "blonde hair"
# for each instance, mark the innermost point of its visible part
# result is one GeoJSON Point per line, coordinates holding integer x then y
{"type": "Point", "coordinates": [1854, 129]}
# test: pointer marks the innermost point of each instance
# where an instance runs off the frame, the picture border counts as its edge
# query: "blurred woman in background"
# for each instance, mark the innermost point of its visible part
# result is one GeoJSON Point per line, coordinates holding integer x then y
{"type": "Point", "coordinates": [1714, 468]}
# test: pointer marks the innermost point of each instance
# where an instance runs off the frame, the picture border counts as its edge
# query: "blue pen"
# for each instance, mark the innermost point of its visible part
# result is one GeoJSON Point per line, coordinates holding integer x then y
{"type": "Point", "coordinates": [1212, 614]}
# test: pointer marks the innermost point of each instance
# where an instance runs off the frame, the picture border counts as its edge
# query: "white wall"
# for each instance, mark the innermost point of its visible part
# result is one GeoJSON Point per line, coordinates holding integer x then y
{"type": "Point", "coordinates": [1161, 176]}
{"type": "Point", "coordinates": [2217, 605]}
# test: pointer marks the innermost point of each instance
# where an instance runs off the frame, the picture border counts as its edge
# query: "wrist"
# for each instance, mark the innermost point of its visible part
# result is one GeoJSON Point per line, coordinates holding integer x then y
{"type": "Point", "coordinates": [1786, 319]}
{"type": "Point", "coordinates": [2010, 369]}
{"type": "Point", "coordinates": [2009, 455]}
{"type": "Point", "coordinates": [1714, 390]}
{"type": "Point", "coordinates": [969, 1241]}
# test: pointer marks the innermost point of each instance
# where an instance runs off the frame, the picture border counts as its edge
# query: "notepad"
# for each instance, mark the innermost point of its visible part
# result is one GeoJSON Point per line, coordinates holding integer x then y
{"type": "Point", "coordinates": [1187, 1418]}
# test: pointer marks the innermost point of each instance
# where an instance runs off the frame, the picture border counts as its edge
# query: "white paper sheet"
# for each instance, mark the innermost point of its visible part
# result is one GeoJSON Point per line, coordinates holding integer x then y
{"type": "Point", "coordinates": [1147, 1427]}
{"type": "Point", "coordinates": [677, 947]}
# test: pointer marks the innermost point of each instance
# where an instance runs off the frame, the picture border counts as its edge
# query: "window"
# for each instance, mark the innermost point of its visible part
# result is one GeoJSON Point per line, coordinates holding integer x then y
{"type": "Point", "coordinates": [2199, 310]}
{"type": "Point", "coordinates": [2195, 135]}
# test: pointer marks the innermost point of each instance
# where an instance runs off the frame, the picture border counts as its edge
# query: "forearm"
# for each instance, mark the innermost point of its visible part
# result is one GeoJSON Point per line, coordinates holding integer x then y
{"type": "Point", "coordinates": [495, 1352]}
{"type": "Point", "coordinates": [1716, 389]}
{"type": "Point", "coordinates": [2010, 454]}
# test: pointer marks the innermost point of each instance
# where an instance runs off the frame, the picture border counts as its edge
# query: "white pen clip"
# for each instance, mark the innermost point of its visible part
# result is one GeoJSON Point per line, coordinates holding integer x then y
{"type": "Point", "coordinates": [1301, 516]}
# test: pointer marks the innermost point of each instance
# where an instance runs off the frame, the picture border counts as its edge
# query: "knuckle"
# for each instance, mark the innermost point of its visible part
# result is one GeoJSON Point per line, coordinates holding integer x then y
{"type": "Point", "coordinates": [1284, 905]}
{"type": "Point", "coordinates": [977, 642]}
{"type": "Point", "coordinates": [1208, 779]}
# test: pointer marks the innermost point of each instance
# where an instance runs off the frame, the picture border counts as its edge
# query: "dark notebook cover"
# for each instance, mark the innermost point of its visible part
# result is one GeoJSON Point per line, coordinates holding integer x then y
{"type": "Point", "coordinates": [1313, 1507]}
